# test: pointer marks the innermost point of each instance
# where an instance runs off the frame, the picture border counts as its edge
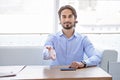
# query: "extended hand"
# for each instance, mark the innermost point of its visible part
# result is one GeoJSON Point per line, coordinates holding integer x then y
{"type": "Point", "coordinates": [51, 52]}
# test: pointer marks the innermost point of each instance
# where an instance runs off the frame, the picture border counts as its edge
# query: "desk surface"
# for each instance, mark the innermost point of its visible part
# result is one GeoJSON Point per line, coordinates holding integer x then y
{"type": "Point", "coordinates": [54, 73]}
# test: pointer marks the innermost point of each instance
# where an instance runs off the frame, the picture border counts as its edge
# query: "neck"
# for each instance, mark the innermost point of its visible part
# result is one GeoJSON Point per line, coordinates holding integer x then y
{"type": "Point", "coordinates": [68, 33]}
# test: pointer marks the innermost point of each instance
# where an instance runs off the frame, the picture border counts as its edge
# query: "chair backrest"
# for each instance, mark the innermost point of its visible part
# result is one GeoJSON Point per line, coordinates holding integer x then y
{"type": "Point", "coordinates": [22, 56]}
{"type": "Point", "coordinates": [108, 56]}
{"type": "Point", "coordinates": [114, 70]}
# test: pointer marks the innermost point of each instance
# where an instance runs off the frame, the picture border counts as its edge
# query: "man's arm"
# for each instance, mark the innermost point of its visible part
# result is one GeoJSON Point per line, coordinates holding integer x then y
{"type": "Point", "coordinates": [94, 56]}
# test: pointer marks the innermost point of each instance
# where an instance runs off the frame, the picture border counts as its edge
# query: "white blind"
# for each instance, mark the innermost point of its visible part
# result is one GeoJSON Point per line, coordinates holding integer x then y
{"type": "Point", "coordinates": [27, 16]}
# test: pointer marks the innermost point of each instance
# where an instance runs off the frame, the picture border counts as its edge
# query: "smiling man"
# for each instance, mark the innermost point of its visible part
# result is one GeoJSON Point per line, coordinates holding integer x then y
{"type": "Point", "coordinates": [68, 47]}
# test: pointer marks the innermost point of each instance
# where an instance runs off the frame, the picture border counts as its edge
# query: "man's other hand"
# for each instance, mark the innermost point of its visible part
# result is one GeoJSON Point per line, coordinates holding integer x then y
{"type": "Point", "coordinates": [76, 65]}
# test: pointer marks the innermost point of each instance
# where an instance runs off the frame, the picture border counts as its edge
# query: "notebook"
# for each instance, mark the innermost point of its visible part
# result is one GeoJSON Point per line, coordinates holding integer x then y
{"type": "Point", "coordinates": [7, 74]}
{"type": "Point", "coordinates": [10, 71]}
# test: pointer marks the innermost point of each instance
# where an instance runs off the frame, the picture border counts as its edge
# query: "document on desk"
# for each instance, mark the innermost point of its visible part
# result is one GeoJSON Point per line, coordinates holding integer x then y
{"type": "Point", "coordinates": [9, 71]}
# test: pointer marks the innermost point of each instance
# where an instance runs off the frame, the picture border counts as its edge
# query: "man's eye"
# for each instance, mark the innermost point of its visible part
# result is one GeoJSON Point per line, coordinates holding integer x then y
{"type": "Point", "coordinates": [63, 16]}
{"type": "Point", "coordinates": [70, 16]}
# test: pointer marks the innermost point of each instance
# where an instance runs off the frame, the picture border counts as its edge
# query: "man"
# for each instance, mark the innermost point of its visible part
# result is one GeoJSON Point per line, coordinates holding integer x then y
{"type": "Point", "coordinates": [68, 47]}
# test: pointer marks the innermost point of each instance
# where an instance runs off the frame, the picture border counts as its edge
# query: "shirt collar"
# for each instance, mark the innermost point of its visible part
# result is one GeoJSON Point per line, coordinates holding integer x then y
{"type": "Point", "coordinates": [61, 34]}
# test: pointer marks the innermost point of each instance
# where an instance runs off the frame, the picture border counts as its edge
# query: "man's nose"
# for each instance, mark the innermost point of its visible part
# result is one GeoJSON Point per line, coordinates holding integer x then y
{"type": "Point", "coordinates": [67, 19]}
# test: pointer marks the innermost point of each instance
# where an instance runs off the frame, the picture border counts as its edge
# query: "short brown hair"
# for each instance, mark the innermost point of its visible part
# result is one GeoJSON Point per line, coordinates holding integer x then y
{"type": "Point", "coordinates": [67, 7]}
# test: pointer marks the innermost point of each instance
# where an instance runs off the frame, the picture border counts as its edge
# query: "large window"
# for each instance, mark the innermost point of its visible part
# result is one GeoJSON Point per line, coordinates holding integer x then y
{"type": "Point", "coordinates": [39, 16]}
{"type": "Point", "coordinates": [27, 16]}
{"type": "Point", "coordinates": [96, 16]}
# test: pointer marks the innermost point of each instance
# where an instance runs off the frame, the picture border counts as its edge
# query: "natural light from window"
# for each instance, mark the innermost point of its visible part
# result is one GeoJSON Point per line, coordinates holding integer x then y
{"type": "Point", "coordinates": [96, 16]}
{"type": "Point", "coordinates": [26, 16]}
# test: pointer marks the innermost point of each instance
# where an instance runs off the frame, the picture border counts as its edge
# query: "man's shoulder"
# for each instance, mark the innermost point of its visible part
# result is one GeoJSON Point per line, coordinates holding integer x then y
{"type": "Point", "coordinates": [54, 35]}
{"type": "Point", "coordinates": [80, 35]}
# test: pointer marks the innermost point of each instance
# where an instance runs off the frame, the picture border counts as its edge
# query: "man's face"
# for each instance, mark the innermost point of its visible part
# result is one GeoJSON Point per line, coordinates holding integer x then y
{"type": "Point", "coordinates": [67, 19]}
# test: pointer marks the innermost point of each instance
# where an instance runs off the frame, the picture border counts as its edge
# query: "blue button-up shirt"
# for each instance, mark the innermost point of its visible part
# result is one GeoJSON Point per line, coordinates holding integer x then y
{"type": "Point", "coordinates": [72, 49]}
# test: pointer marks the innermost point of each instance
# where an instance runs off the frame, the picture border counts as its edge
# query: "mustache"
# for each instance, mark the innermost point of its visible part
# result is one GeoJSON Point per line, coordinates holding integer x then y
{"type": "Point", "coordinates": [70, 22]}
{"type": "Point", "coordinates": [67, 22]}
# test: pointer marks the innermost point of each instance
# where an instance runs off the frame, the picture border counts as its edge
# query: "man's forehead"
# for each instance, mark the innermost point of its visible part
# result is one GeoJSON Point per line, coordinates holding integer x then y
{"type": "Point", "coordinates": [67, 14]}
{"type": "Point", "coordinates": [66, 10]}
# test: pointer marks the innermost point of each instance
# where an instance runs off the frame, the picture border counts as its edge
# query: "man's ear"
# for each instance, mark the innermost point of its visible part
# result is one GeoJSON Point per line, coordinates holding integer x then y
{"type": "Point", "coordinates": [76, 21]}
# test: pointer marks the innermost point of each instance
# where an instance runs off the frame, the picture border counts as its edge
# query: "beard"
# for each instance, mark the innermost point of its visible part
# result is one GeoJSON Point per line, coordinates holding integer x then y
{"type": "Point", "coordinates": [68, 25]}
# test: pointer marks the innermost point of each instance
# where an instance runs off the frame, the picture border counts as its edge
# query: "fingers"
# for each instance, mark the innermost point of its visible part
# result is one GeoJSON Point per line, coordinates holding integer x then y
{"type": "Point", "coordinates": [53, 56]}
{"type": "Point", "coordinates": [48, 47]}
{"type": "Point", "coordinates": [76, 65]}
{"type": "Point", "coordinates": [52, 52]}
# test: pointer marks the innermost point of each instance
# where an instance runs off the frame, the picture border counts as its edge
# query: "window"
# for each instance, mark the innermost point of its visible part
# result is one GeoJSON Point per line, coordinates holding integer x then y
{"type": "Point", "coordinates": [96, 16]}
{"type": "Point", "coordinates": [27, 16]}
{"type": "Point", "coordinates": [23, 21]}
